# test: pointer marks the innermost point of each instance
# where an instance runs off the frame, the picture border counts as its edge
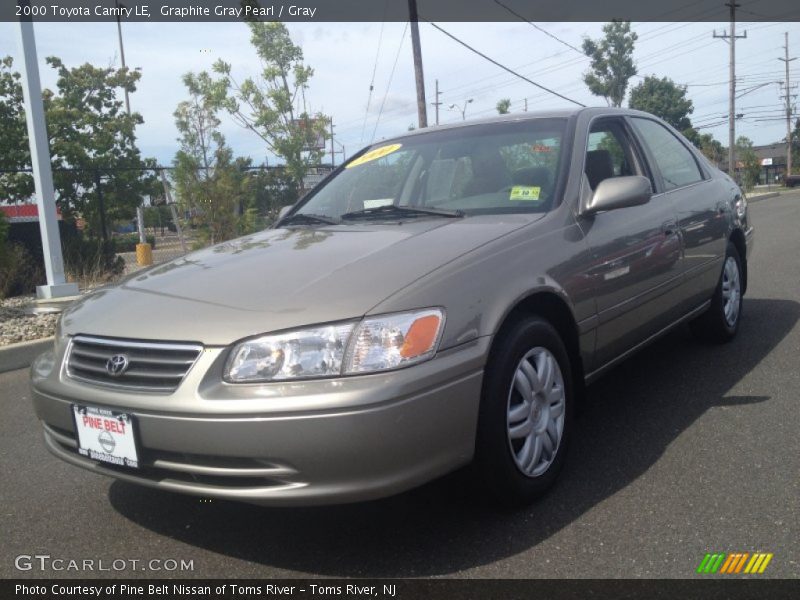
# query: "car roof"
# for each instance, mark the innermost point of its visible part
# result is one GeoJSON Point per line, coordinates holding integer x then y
{"type": "Point", "coordinates": [562, 113]}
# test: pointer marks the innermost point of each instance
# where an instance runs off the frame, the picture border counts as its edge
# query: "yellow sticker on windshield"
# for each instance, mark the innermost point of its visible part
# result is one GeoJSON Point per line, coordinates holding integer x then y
{"type": "Point", "coordinates": [374, 155]}
{"type": "Point", "coordinates": [525, 192]}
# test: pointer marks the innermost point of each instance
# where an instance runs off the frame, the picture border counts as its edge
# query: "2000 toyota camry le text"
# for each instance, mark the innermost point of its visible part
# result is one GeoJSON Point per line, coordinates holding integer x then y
{"type": "Point", "coordinates": [441, 299]}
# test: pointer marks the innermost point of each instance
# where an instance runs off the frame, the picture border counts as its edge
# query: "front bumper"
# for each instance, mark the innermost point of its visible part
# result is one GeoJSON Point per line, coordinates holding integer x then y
{"type": "Point", "coordinates": [313, 442]}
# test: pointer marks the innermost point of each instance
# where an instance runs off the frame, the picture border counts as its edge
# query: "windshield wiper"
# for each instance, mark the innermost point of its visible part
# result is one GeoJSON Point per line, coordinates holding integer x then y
{"type": "Point", "coordinates": [307, 218]}
{"type": "Point", "coordinates": [392, 210]}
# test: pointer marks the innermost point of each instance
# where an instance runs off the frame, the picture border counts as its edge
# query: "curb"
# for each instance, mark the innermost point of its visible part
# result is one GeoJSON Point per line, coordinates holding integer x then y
{"type": "Point", "coordinates": [21, 355]}
{"type": "Point", "coordinates": [760, 197]}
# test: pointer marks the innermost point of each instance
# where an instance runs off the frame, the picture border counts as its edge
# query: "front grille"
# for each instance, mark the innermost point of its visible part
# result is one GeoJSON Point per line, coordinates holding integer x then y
{"type": "Point", "coordinates": [149, 366]}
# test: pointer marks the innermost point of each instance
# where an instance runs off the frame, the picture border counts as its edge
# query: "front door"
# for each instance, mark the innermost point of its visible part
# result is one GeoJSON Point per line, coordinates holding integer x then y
{"type": "Point", "coordinates": [636, 266]}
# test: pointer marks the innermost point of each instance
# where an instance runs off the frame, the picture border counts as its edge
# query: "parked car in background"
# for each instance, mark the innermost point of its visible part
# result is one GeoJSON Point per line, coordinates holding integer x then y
{"type": "Point", "coordinates": [791, 180]}
{"type": "Point", "coordinates": [440, 300]}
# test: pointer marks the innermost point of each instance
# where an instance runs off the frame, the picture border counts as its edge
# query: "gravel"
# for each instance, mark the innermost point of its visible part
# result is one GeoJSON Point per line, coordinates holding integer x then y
{"type": "Point", "coordinates": [18, 325]}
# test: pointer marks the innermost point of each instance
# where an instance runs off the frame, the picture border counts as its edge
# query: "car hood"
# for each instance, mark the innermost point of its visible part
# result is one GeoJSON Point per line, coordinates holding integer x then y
{"type": "Point", "coordinates": [278, 279]}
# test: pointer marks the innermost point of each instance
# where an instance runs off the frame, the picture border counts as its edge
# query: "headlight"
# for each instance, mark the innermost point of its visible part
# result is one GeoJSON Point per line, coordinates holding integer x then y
{"type": "Point", "coordinates": [741, 208]}
{"type": "Point", "coordinates": [374, 344]}
{"type": "Point", "coordinates": [316, 352]}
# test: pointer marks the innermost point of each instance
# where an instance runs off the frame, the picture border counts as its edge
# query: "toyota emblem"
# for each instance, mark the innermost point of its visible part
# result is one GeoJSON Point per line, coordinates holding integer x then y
{"type": "Point", "coordinates": [117, 365]}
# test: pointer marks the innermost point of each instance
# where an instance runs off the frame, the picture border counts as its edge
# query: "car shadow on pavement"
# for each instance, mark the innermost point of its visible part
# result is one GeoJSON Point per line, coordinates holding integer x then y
{"type": "Point", "coordinates": [631, 416]}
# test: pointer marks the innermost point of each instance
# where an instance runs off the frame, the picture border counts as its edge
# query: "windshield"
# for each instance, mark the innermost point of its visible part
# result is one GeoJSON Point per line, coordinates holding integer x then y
{"type": "Point", "coordinates": [509, 167]}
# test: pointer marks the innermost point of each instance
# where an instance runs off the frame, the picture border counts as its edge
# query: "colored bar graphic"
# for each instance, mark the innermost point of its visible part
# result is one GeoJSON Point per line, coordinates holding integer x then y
{"type": "Point", "coordinates": [704, 563]}
{"type": "Point", "coordinates": [741, 562]}
{"type": "Point", "coordinates": [764, 564]}
{"type": "Point", "coordinates": [734, 562]}
{"type": "Point", "coordinates": [728, 565]}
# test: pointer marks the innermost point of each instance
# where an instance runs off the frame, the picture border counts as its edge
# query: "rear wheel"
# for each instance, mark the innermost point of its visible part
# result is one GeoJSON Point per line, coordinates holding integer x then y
{"type": "Point", "coordinates": [721, 321]}
{"type": "Point", "coordinates": [526, 412]}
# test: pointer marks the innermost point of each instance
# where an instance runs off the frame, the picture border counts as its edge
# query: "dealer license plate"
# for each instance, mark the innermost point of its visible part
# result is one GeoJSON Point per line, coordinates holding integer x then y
{"type": "Point", "coordinates": [106, 435]}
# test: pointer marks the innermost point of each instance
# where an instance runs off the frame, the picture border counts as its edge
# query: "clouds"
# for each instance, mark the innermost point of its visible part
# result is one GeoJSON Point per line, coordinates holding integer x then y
{"type": "Point", "coordinates": [343, 56]}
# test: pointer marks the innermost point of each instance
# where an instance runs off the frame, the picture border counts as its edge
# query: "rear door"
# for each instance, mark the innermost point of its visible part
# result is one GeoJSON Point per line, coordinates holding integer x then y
{"type": "Point", "coordinates": [636, 251]}
{"type": "Point", "coordinates": [699, 202]}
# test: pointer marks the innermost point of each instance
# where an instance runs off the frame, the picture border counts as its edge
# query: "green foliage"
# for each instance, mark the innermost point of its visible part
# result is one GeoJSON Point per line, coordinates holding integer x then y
{"type": "Point", "coordinates": [272, 104]}
{"type": "Point", "coordinates": [90, 260]}
{"type": "Point", "coordinates": [711, 148]}
{"type": "Point", "coordinates": [795, 138]}
{"type": "Point", "coordinates": [750, 165]}
{"type": "Point", "coordinates": [90, 134]}
{"type": "Point", "coordinates": [128, 242]}
{"type": "Point", "coordinates": [612, 62]}
{"type": "Point", "coordinates": [14, 153]}
{"type": "Point", "coordinates": [272, 189]}
{"type": "Point", "coordinates": [19, 272]}
{"type": "Point", "coordinates": [665, 99]}
{"type": "Point", "coordinates": [3, 231]}
{"type": "Point", "coordinates": [211, 185]}
{"type": "Point", "coordinates": [503, 106]}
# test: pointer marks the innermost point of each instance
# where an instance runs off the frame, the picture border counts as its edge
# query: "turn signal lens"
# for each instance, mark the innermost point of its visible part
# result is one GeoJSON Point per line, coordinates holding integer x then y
{"type": "Point", "coordinates": [421, 336]}
{"type": "Point", "coordinates": [393, 341]}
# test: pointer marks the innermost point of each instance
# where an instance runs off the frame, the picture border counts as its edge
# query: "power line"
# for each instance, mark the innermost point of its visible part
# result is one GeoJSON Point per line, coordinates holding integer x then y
{"type": "Point", "coordinates": [372, 80]}
{"type": "Point", "coordinates": [544, 31]}
{"type": "Point", "coordinates": [505, 68]}
{"type": "Point", "coordinates": [389, 84]}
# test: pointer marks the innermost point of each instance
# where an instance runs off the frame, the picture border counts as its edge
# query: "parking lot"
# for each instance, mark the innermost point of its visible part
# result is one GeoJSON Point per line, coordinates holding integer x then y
{"type": "Point", "coordinates": [682, 450]}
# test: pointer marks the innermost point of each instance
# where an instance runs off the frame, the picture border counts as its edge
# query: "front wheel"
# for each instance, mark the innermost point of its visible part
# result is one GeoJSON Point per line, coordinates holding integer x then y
{"type": "Point", "coordinates": [526, 412]}
{"type": "Point", "coordinates": [721, 321]}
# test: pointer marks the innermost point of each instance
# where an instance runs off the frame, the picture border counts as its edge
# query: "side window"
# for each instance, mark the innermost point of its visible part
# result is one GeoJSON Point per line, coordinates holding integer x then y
{"type": "Point", "coordinates": [608, 153]}
{"type": "Point", "coordinates": [676, 163]}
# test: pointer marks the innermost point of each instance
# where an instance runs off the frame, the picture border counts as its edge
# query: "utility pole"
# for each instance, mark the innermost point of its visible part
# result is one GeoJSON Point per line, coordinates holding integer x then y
{"type": "Point", "coordinates": [788, 98]}
{"type": "Point", "coordinates": [333, 150]}
{"type": "Point", "coordinates": [41, 167]}
{"type": "Point", "coordinates": [422, 110]}
{"type": "Point", "coordinates": [526, 105]}
{"type": "Point", "coordinates": [731, 40]}
{"type": "Point", "coordinates": [438, 103]}
{"type": "Point", "coordinates": [122, 54]}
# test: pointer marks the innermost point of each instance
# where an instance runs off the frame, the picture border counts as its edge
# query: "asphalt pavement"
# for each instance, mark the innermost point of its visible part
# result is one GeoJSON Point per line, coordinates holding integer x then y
{"type": "Point", "coordinates": [684, 449]}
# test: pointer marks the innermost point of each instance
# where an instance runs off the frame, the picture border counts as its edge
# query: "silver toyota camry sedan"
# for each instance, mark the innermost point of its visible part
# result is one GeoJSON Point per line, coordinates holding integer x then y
{"type": "Point", "coordinates": [439, 300]}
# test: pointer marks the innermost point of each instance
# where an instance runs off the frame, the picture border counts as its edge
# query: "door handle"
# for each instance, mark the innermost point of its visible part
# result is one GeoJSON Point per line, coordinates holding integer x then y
{"type": "Point", "coordinates": [669, 228]}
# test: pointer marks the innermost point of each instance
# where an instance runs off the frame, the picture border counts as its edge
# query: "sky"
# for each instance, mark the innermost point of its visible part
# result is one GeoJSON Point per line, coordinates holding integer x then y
{"type": "Point", "coordinates": [344, 57]}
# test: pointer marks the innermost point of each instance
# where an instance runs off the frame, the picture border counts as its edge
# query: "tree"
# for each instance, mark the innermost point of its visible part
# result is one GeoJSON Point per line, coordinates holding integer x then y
{"type": "Point", "coordinates": [503, 106]}
{"type": "Point", "coordinates": [750, 169]}
{"type": "Point", "coordinates": [273, 104]}
{"type": "Point", "coordinates": [665, 99]}
{"type": "Point", "coordinates": [14, 153]}
{"type": "Point", "coordinates": [91, 138]}
{"type": "Point", "coordinates": [210, 184]}
{"type": "Point", "coordinates": [795, 139]}
{"type": "Point", "coordinates": [612, 62]}
{"type": "Point", "coordinates": [711, 148]}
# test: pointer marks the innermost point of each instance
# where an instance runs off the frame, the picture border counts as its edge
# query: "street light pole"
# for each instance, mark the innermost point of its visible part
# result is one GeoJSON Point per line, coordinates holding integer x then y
{"type": "Point", "coordinates": [56, 287]}
{"type": "Point", "coordinates": [462, 110]}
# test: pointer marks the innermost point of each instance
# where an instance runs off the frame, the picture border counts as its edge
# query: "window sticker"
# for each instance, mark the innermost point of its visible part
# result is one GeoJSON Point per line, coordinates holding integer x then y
{"type": "Point", "coordinates": [378, 203]}
{"type": "Point", "coordinates": [525, 193]}
{"type": "Point", "coordinates": [374, 155]}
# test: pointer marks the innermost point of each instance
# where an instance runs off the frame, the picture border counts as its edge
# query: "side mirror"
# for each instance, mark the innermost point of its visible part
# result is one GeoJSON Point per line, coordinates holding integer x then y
{"type": "Point", "coordinates": [284, 209]}
{"type": "Point", "coordinates": [620, 192]}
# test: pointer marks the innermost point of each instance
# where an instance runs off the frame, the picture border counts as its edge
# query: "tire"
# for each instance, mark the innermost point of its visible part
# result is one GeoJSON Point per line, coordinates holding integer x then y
{"type": "Point", "coordinates": [513, 466]}
{"type": "Point", "coordinates": [720, 322]}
